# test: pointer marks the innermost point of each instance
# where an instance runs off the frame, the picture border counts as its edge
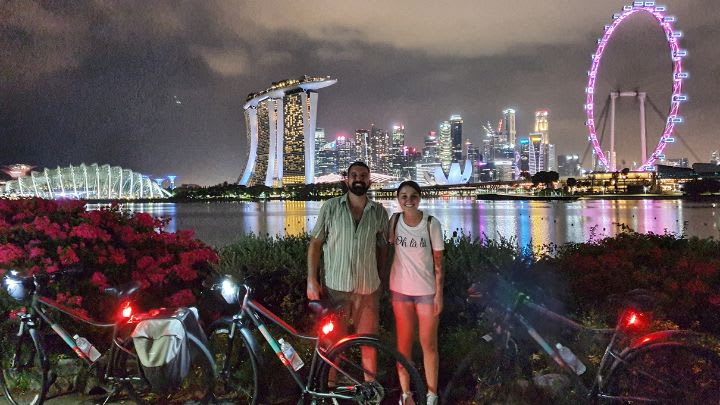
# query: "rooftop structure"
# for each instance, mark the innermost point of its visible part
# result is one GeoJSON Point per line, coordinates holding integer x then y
{"type": "Point", "coordinates": [281, 123]}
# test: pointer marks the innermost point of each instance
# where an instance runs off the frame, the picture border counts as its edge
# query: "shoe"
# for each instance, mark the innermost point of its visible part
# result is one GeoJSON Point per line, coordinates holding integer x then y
{"type": "Point", "coordinates": [406, 399]}
{"type": "Point", "coordinates": [432, 398]}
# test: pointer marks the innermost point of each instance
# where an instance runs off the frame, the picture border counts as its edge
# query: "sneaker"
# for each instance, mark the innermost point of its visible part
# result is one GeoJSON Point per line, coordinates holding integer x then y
{"type": "Point", "coordinates": [406, 399]}
{"type": "Point", "coordinates": [432, 398]}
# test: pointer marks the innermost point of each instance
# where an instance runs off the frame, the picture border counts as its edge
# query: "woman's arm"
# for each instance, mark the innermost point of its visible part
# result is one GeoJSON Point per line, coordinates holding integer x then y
{"type": "Point", "coordinates": [437, 266]}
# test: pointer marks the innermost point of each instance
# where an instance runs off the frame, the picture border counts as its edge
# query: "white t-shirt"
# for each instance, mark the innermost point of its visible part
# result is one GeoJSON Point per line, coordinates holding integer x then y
{"type": "Point", "coordinates": [412, 268]}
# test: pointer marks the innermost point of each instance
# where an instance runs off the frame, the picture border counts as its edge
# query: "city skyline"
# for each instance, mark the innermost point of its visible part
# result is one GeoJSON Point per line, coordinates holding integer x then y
{"type": "Point", "coordinates": [117, 83]}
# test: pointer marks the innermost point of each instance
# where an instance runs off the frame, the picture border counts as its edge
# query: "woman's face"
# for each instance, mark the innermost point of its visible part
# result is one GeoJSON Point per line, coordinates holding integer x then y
{"type": "Point", "coordinates": [409, 199]}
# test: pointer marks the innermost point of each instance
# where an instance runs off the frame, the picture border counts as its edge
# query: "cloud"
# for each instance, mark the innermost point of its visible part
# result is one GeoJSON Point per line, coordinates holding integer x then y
{"type": "Point", "coordinates": [226, 62]}
{"type": "Point", "coordinates": [38, 41]}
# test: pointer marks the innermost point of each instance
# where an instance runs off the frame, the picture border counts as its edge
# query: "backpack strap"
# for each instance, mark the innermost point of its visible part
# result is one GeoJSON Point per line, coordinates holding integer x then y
{"type": "Point", "coordinates": [393, 228]}
{"type": "Point", "coordinates": [429, 234]}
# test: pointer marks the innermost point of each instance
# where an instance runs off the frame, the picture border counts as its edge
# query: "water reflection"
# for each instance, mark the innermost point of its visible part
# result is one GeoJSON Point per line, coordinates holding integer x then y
{"type": "Point", "coordinates": [526, 222]}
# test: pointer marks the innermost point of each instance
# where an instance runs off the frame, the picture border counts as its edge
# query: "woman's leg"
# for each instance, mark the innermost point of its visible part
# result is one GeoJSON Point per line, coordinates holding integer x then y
{"type": "Point", "coordinates": [428, 324]}
{"type": "Point", "coordinates": [405, 330]}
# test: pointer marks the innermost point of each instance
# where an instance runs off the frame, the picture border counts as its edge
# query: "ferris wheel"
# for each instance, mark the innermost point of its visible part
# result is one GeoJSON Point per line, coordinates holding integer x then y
{"type": "Point", "coordinates": [678, 75]}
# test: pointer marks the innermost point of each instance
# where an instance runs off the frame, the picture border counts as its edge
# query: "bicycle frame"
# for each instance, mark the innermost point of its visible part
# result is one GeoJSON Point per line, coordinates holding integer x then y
{"type": "Point", "coordinates": [255, 311]}
{"type": "Point", "coordinates": [612, 357]}
{"type": "Point", "coordinates": [37, 314]}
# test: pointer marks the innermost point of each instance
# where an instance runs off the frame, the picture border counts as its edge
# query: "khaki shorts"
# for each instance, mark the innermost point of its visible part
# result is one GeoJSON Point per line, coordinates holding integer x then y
{"type": "Point", "coordinates": [359, 310]}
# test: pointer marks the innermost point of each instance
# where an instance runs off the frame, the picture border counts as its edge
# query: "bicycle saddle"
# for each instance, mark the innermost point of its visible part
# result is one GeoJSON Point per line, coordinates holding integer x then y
{"type": "Point", "coordinates": [123, 291]}
{"type": "Point", "coordinates": [639, 299]}
{"type": "Point", "coordinates": [322, 307]}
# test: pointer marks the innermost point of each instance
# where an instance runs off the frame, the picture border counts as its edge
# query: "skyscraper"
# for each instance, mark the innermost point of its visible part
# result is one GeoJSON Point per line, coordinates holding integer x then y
{"type": "Point", "coordinates": [445, 145]}
{"type": "Point", "coordinates": [430, 151]}
{"type": "Point", "coordinates": [456, 123]}
{"type": "Point", "coordinates": [362, 145]}
{"type": "Point", "coordinates": [398, 141]}
{"type": "Point", "coordinates": [280, 124]}
{"type": "Point", "coordinates": [542, 125]}
{"type": "Point", "coordinates": [379, 151]}
{"type": "Point", "coordinates": [508, 125]}
{"type": "Point", "coordinates": [319, 145]}
{"type": "Point", "coordinates": [345, 152]}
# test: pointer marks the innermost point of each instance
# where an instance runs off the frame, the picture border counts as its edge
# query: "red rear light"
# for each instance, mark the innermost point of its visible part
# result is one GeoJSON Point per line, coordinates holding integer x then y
{"type": "Point", "coordinates": [127, 311]}
{"type": "Point", "coordinates": [634, 321]}
{"type": "Point", "coordinates": [327, 327]}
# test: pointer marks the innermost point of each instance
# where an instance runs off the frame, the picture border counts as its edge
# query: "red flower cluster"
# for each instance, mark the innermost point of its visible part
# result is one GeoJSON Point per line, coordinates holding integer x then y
{"type": "Point", "coordinates": [111, 246]}
{"type": "Point", "coordinates": [684, 273]}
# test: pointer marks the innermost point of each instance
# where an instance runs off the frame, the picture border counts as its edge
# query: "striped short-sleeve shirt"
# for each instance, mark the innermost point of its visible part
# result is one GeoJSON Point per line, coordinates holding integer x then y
{"type": "Point", "coordinates": [349, 251]}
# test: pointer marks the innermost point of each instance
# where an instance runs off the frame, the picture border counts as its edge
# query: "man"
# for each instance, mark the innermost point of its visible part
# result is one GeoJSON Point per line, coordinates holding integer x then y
{"type": "Point", "coordinates": [351, 234]}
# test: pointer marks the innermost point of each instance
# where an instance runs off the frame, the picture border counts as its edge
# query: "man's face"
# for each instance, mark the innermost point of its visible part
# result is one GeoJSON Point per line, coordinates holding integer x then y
{"type": "Point", "coordinates": [358, 180]}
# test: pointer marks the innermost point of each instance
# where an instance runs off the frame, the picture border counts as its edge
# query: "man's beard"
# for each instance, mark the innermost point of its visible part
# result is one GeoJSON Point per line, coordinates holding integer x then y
{"type": "Point", "coordinates": [359, 188]}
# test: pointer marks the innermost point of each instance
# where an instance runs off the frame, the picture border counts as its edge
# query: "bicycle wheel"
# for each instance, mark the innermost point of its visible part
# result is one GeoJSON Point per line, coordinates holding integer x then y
{"type": "Point", "coordinates": [24, 374]}
{"type": "Point", "coordinates": [484, 375]}
{"type": "Point", "coordinates": [667, 373]}
{"type": "Point", "coordinates": [365, 386]}
{"type": "Point", "coordinates": [197, 387]}
{"type": "Point", "coordinates": [236, 363]}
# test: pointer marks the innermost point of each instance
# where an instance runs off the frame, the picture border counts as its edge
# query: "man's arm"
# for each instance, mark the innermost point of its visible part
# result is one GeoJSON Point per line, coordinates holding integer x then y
{"type": "Point", "coordinates": [313, 260]}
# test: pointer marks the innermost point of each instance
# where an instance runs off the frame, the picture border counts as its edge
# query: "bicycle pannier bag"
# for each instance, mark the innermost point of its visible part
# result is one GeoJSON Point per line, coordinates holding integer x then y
{"type": "Point", "coordinates": [161, 343]}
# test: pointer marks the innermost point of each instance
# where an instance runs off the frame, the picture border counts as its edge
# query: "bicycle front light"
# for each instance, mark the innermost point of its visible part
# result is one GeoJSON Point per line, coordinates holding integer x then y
{"type": "Point", "coordinates": [14, 285]}
{"type": "Point", "coordinates": [229, 291]}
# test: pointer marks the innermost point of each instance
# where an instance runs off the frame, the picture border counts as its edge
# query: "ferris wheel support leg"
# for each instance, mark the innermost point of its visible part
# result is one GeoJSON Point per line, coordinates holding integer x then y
{"type": "Point", "coordinates": [643, 142]}
{"type": "Point", "coordinates": [613, 96]}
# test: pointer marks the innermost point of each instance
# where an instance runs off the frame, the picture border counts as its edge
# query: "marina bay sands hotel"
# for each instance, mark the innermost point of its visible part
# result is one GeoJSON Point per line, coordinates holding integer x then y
{"type": "Point", "coordinates": [280, 124]}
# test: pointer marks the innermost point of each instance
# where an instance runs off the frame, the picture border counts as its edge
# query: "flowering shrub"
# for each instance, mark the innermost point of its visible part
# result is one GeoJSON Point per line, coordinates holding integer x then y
{"type": "Point", "coordinates": [684, 273]}
{"type": "Point", "coordinates": [110, 246]}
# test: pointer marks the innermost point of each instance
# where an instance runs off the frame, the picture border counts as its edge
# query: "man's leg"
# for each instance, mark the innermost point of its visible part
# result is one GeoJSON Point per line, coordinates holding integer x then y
{"type": "Point", "coordinates": [344, 300]}
{"type": "Point", "coordinates": [365, 317]}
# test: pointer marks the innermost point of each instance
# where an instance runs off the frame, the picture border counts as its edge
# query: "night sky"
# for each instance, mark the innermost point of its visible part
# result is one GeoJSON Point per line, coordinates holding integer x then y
{"type": "Point", "coordinates": [158, 87]}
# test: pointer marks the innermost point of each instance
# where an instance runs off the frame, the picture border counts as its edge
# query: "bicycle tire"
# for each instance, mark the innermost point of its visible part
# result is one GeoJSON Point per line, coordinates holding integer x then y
{"type": "Point", "coordinates": [237, 365]}
{"type": "Point", "coordinates": [197, 387]}
{"type": "Point", "coordinates": [25, 367]}
{"type": "Point", "coordinates": [667, 373]}
{"type": "Point", "coordinates": [346, 354]}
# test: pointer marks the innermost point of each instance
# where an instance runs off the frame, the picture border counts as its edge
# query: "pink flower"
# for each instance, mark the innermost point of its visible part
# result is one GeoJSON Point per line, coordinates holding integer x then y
{"type": "Point", "coordinates": [182, 298]}
{"type": "Point", "coordinates": [36, 252]}
{"type": "Point", "coordinates": [98, 279]}
{"type": "Point", "coordinates": [67, 255]}
{"type": "Point", "coordinates": [145, 220]}
{"type": "Point", "coordinates": [9, 253]}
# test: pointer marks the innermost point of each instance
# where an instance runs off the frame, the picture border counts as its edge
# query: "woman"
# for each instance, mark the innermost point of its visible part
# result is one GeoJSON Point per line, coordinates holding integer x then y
{"type": "Point", "coordinates": [416, 283]}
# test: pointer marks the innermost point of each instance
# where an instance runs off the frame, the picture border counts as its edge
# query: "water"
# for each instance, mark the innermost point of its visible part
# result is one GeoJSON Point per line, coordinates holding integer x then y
{"type": "Point", "coordinates": [527, 222]}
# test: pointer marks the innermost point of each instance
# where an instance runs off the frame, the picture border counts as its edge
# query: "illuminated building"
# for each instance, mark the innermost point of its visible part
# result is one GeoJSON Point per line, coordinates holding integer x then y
{"type": "Point", "coordinates": [456, 123]}
{"type": "Point", "coordinates": [542, 125]}
{"type": "Point", "coordinates": [327, 162]}
{"type": "Point", "coordinates": [362, 145]}
{"type": "Point", "coordinates": [86, 182]}
{"type": "Point", "coordinates": [430, 151]}
{"type": "Point", "coordinates": [345, 152]}
{"type": "Point", "coordinates": [17, 170]}
{"type": "Point", "coordinates": [379, 151]}
{"type": "Point", "coordinates": [568, 165]}
{"type": "Point", "coordinates": [536, 157]}
{"type": "Point", "coordinates": [508, 125]}
{"type": "Point", "coordinates": [398, 142]}
{"type": "Point", "coordinates": [281, 123]}
{"type": "Point", "coordinates": [524, 152]}
{"type": "Point", "coordinates": [445, 145]}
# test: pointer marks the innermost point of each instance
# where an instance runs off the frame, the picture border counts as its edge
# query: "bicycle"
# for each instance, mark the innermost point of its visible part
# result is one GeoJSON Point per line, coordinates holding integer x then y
{"type": "Point", "coordinates": [31, 353]}
{"type": "Point", "coordinates": [669, 366]}
{"type": "Point", "coordinates": [336, 373]}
